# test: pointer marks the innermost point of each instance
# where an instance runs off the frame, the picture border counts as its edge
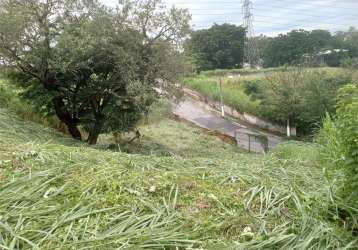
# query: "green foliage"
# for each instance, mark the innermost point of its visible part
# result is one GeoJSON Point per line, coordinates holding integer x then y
{"type": "Point", "coordinates": [236, 72]}
{"type": "Point", "coordinates": [220, 47]}
{"type": "Point", "coordinates": [288, 49]}
{"type": "Point", "coordinates": [301, 46]}
{"type": "Point", "coordinates": [339, 140]}
{"type": "Point", "coordinates": [10, 98]}
{"type": "Point", "coordinates": [348, 40]}
{"type": "Point", "coordinates": [300, 95]}
{"type": "Point", "coordinates": [233, 95]}
{"type": "Point", "coordinates": [92, 67]}
{"type": "Point", "coordinates": [350, 63]}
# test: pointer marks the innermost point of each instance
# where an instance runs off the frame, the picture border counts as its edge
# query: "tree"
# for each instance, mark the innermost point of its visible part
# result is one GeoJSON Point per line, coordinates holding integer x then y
{"type": "Point", "coordinates": [288, 49]}
{"type": "Point", "coordinates": [301, 97]}
{"type": "Point", "coordinates": [321, 39]}
{"type": "Point", "coordinates": [220, 47]}
{"type": "Point", "coordinates": [348, 40]}
{"type": "Point", "coordinates": [262, 42]}
{"type": "Point", "coordinates": [291, 48]}
{"type": "Point", "coordinates": [283, 97]}
{"type": "Point", "coordinates": [92, 67]}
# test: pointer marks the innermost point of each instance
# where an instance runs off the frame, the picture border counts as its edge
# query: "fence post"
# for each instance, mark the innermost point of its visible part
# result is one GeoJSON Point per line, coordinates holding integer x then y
{"type": "Point", "coordinates": [249, 143]}
{"type": "Point", "coordinates": [221, 98]}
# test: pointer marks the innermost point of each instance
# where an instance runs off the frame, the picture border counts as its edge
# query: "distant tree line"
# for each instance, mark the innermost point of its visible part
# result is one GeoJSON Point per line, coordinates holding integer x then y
{"type": "Point", "coordinates": [311, 47]}
{"type": "Point", "coordinates": [222, 47]}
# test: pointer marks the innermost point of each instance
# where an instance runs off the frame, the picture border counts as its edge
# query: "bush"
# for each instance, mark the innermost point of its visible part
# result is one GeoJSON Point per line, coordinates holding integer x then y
{"type": "Point", "coordinates": [10, 99]}
{"type": "Point", "coordinates": [254, 88]}
{"type": "Point", "coordinates": [339, 140]}
{"type": "Point", "coordinates": [302, 96]}
{"type": "Point", "coordinates": [350, 63]}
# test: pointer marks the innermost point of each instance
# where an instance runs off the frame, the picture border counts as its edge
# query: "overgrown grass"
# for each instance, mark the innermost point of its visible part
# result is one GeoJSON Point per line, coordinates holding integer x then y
{"type": "Point", "coordinates": [58, 194]}
{"type": "Point", "coordinates": [339, 153]}
{"type": "Point", "coordinates": [258, 72]}
{"type": "Point", "coordinates": [9, 98]}
{"type": "Point", "coordinates": [258, 92]}
{"type": "Point", "coordinates": [243, 72]}
{"type": "Point", "coordinates": [233, 93]}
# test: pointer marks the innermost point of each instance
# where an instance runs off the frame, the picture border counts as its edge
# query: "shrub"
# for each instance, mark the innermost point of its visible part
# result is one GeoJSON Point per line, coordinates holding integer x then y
{"type": "Point", "coordinates": [350, 63]}
{"type": "Point", "coordinates": [10, 99]}
{"type": "Point", "coordinates": [302, 96]}
{"type": "Point", "coordinates": [339, 140]}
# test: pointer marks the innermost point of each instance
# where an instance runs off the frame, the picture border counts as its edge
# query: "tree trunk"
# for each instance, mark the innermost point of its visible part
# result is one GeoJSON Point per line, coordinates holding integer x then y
{"type": "Point", "coordinates": [65, 117]}
{"type": "Point", "coordinates": [93, 138]}
{"type": "Point", "coordinates": [94, 133]}
{"type": "Point", "coordinates": [74, 131]}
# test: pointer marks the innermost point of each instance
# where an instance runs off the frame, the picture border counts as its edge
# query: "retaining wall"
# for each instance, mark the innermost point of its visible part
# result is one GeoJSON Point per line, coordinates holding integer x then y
{"type": "Point", "coordinates": [251, 119]}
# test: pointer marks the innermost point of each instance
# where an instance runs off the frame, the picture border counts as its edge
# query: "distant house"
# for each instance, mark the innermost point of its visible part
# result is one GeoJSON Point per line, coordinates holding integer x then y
{"type": "Point", "coordinates": [330, 57]}
{"type": "Point", "coordinates": [331, 51]}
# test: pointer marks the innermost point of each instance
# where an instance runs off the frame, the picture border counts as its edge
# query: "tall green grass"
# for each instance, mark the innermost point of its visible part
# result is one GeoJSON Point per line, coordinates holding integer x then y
{"type": "Point", "coordinates": [243, 72]}
{"type": "Point", "coordinates": [233, 93]}
{"type": "Point", "coordinates": [339, 153]}
{"type": "Point", "coordinates": [10, 99]}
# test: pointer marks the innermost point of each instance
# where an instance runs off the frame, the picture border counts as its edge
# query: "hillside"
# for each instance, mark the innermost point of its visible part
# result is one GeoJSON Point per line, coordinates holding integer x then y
{"type": "Point", "coordinates": [124, 124]}
{"type": "Point", "coordinates": [59, 194]}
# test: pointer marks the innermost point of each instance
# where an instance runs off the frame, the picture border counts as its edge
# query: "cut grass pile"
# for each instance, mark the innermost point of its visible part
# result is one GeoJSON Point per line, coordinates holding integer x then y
{"type": "Point", "coordinates": [167, 137]}
{"type": "Point", "coordinates": [59, 194]}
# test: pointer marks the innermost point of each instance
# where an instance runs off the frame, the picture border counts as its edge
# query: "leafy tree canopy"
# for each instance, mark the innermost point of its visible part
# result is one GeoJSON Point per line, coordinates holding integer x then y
{"type": "Point", "coordinates": [296, 46]}
{"type": "Point", "coordinates": [300, 96]}
{"type": "Point", "coordinates": [220, 47]}
{"type": "Point", "coordinates": [93, 67]}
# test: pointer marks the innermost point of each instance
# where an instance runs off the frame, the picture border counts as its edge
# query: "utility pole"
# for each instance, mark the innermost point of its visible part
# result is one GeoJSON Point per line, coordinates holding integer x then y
{"type": "Point", "coordinates": [251, 55]}
{"type": "Point", "coordinates": [288, 128]}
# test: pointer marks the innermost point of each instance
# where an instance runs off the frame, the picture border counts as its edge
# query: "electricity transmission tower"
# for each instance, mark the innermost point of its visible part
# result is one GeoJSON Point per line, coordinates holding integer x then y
{"type": "Point", "coordinates": [251, 55]}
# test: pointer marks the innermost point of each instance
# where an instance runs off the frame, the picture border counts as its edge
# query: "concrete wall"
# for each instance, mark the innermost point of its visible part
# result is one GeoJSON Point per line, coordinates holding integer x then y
{"type": "Point", "coordinates": [251, 119]}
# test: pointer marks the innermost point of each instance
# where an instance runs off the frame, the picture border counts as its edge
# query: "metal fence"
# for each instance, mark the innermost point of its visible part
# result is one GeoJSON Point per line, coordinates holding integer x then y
{"type": "Point", "coordinates": [253, 142]}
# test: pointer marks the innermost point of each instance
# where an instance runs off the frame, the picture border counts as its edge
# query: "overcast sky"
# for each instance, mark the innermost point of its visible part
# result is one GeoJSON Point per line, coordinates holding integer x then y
{"type": "Point", "coordinates": [272, 17]}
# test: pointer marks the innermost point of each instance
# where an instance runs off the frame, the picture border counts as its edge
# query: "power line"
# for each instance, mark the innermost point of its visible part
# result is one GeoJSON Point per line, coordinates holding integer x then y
{"type": "Point", "coordinates": [291, 14]}
{"type": "Point", "coordinates": [251, 53]}
{"type": "Point", "coordinates": [316, 4]}
{"type": "Point", "coordinates": [270, 22]}
{"type": "Point", "coordinates": [208, 3]}
{"type": "Point", "coordinates": [262, 19]}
